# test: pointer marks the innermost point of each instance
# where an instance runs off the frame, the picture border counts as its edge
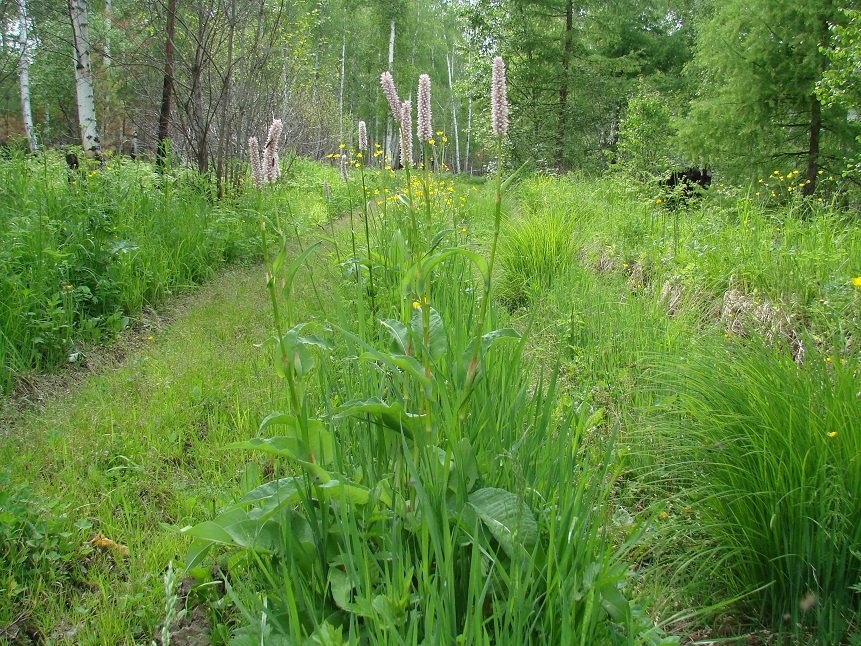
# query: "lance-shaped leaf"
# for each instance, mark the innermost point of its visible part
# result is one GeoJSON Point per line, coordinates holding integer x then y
{"type": "Point", "coordinates": [392, 416]}
{"type": "Point", "coordinates": [294, 267]}
{"type": "Point", "coordinates": [417, 277]}
{"type": "Point", "coordinates": [487, 342]}
{"type": "Point", "coordinates": [291, 445]}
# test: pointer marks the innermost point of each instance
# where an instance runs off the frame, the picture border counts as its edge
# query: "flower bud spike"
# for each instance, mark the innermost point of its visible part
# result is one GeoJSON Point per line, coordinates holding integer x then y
{"type": "Point", "coordinates": [406, 134]}
{"type": "Point", "coordinates": [254, 156]}
{"type": "Point", "coordinates": [423, 110]}
{"type": "Point", "coordinates": [499, 102]}
{"type": "Point", "coordinates": [391, 93]}
{"type": "Point", "coordinates": [363, 136]}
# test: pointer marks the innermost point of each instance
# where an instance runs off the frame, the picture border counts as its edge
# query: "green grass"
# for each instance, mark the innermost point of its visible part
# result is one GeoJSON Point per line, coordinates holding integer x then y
{"type": "Point", "coordinates": [135, 448]}
{"type": "Point", "coordinates": [650, 450]}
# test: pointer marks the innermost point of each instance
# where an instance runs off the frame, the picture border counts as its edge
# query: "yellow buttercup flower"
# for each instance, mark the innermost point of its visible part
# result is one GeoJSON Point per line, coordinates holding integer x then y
{"type": "Point", "coordinates": [857, 281]}
{"type": "Point", "coordinates": [832, 434]}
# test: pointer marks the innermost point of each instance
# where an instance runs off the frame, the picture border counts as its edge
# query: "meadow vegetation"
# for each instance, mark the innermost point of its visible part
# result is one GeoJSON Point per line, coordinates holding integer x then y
{"type": "Point", "coordinates": [511, 409]}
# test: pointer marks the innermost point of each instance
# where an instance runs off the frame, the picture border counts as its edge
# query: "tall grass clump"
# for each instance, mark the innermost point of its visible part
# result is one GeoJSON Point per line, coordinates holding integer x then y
{"type": "Point", "coordinates": [535, 250]}
{"type": "Point", "coordinates": [423, 489]}
{"type": "Point", "coordinates": [771, 449]}
{"type": "Point", "coordinates": [83, 251]}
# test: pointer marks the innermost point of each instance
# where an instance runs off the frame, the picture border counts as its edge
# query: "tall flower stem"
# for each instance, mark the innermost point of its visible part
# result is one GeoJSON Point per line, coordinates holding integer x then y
{"type": "Point", "coordinates": [425, 299]}
{"type": "Point", "coordinates": [365, 197]}
{"type": "Point", "coordinates": [472, 368]}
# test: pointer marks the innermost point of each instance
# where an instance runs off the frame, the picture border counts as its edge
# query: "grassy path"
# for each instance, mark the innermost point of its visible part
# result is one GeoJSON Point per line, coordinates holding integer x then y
{"type": "Point", "coordinates": [132, 449]}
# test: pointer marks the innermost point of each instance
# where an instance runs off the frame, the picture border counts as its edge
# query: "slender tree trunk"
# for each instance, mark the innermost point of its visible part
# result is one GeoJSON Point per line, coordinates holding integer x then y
{"type": "Point", "coordinates": [24, 76]}
{"type": "Point", "coordinates": [224, 131]}
{"type": "Point", "coordinates": [108, 27]}
{"type": "Point", "coordinates": [84, 79]}
{"type": "Point", "coordinates": [563, 86]}
{"type": "Point", "coordinates": [813, 147]}
{"type": "Point", "coordinates": [448, 62]}
{"type": "Point", "coordinates": [343, 64]}
{"type": "Point", "coordinates": [390, 135]}
{"type": "Point", "coordinates": [167, 87]}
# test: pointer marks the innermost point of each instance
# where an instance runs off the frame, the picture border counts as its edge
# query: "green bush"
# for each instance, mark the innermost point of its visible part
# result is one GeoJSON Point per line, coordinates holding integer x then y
{"type": "Point", "coordinates": [84, 251]}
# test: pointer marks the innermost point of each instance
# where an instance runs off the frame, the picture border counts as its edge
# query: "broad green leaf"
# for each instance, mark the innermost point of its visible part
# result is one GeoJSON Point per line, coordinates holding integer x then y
{"type": "Point", "coordinates": [339, 584]}
{"type": "Point", "coordinates": [198, 551]}
{"type": "Point", "coordinates": [508, 519]}
{"type": "Point", "coordinates": [354, 494]}
{"type": "Point", "coordinates": [303, 360]}
{"type": "Point", "coordinates": [282, 489]}
{"type": "Point", "coordinates": [397, 250]}
{"type": "Point", "coordinates": [399, 333]}
{"type": "Point", "coordinates": [291, 445]}
{"type": "Point", "coordinates": [614, 602]}
{"type": "Point", "coordinates": [437, 333]}
{"type": "Point", "coordinates": [392, 416]}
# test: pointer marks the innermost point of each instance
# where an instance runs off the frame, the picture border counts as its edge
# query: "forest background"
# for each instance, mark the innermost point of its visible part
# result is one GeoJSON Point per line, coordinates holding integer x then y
{"type": "Point", "coordinates": [741, 87]}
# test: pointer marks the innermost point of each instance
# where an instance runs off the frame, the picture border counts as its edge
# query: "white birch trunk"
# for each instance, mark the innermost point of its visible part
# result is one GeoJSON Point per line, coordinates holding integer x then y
{"type": "Point", "coordinates": [343, 64]}
{"type": "Point", "coordinates": [390, 136]}
{"type": "Point", "coordinates": [448, 63]}
{"type": "Point", "coordinates": [24, 76]}
{"type": "Point", "coordinates": [468, 121]}
{"type": "Point", "coordinates": [84, 78]}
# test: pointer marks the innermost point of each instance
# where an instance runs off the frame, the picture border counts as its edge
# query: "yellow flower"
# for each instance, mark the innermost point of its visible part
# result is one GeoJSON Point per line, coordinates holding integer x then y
{"type": "Point", "coordinates": [832, 434]}
{"type": "Point", "coordinates": [388, 167]}
{"type": "Point", "coordinates": [342, 146]}
{"type": "Point", "coordinates": [463, 230]}
{"type": "Point", "coordinates": [417, 305]}
{"type": "Point", "coordinates": [431, 142]}
{"type": "Point", "coordinates": [663, 515]}
{"type": "Point", "coordinates": [439, 132]}
{"type": "Point", "coordinates": [445, 140]}
{"type": "Point", "coordinates": [857, 281]}
{"type": "Point", "coordinates": [658, 201]}
{"type": "Point", "coordinates": [827, 359]}
{"type": "Point", "coordinates": [149, 338]}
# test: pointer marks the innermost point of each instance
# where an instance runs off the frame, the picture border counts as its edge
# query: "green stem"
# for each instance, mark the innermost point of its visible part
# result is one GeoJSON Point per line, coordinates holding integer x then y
{"type": "Point", "coordinates": [368, 237]}
{"type": "Point", "coordinates": [472, 368]}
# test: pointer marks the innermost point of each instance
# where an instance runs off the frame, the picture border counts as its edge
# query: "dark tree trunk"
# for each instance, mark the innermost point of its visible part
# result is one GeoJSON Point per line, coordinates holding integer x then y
{"type": "Point", "coordinates": [167, 89]}
{"type": "Point", "coordinates": [563, 87]}
{"type": "Point", "coordinates": [813, 147]}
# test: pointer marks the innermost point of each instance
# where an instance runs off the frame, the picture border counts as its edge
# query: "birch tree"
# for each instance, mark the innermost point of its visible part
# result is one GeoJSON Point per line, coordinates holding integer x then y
{"type": "Point", "coordinates": [24, 74]}
{"type": "Point", "coordinates": [84, 78]}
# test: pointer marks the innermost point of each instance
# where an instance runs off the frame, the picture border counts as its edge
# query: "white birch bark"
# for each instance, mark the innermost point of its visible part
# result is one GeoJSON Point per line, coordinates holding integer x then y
{"type": "Point", "coordinates": [390, 136]}
{"type": "Point", "coordinates": [449, 64]}
{"type": "Point", "coordinates": [84, 78]}
{"type": "Point", "coordinates": [343, 63]}
{"type": "Point", "coordinates": [24, 75]}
